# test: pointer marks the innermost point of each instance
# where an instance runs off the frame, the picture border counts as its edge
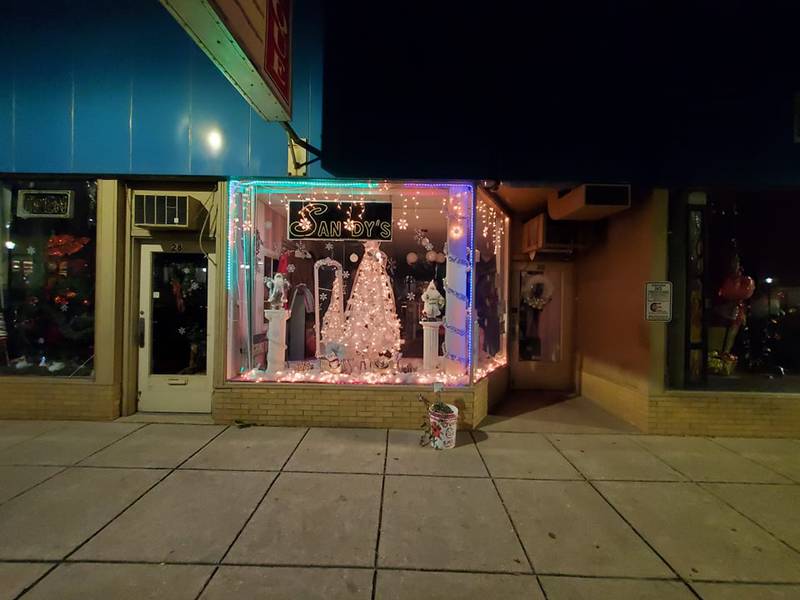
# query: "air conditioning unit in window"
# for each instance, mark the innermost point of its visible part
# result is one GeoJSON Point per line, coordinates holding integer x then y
{"type": "Point", "coordinates": [543, 235]}
{"type": "Point", "coordinates": [167, 210]}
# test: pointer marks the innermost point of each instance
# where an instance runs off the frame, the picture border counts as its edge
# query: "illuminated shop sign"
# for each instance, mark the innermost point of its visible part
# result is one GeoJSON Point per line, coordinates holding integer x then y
{"type": "Point", "coordinates": [318, 220]}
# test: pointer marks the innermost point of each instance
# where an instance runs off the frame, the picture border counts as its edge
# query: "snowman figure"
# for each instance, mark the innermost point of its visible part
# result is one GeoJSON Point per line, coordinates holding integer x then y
{"type": "Point", "coordinates": [278, 288]}
{"type": "Point", "coordinates": [433, 302]}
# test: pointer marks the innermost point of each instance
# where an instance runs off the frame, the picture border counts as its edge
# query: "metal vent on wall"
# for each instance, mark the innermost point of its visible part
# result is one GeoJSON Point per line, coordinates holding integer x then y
{"type": "Point", "coordinates": [166, 211]}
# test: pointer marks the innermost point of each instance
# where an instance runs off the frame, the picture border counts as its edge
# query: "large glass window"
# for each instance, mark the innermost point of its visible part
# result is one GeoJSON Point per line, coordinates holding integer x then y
{"type": "Point", "coordinates": [47, 268]}
{"type": "Point", "coordinates": [491, 286]}
{"type": "Point", "coordinates": [734, 265]}
{"type": "Point", "coordinates": [350, 282]}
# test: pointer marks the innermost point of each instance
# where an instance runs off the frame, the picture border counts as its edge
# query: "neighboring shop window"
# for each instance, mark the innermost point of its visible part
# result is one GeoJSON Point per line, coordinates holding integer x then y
{"type": "Point", "coordinates": [491, 286]}
{"type": "Point", "coordinates": [350, 282]}
{"type": "Point", "coordinates": [741, 326]}
{"type": "Point", "coordinates": [47, 270]}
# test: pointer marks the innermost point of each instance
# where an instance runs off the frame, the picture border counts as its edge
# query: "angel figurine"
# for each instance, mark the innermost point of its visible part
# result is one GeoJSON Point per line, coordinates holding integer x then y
{"type": "Point", "coordinates": [433, 302]}
{"type": "Point", "coordinates": [278, 288]}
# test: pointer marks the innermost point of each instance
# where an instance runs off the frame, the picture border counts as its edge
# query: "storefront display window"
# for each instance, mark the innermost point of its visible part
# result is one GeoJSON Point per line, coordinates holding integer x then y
{"type": "Point", "coordinates": [491, 286]}
{"type": "Point", "coordinates": [734, 263]}
{"type": "Point", "coordinates": [351, 282]}
{"type": "Point", "coordinates": [47, 272]}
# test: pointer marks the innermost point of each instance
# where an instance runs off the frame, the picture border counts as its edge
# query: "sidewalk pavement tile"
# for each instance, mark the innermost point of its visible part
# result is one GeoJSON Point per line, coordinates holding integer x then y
{"type": "Point", "coordinates": [780, 455]}
{"type": "Point", "coordinates": [288, 583]}
{"type": "Point", "coordinates": [700, 459]}
{"type": "Point", "coordinates": [613, 457]}
{"type": "Point", "coordinates": [432, 585]}
{"type": "Point", "coordinates": [527, 411]}
{"type": "Point", "coordinates": [249, 448]}
{"type": "Point", "coordinates": [14, 480]}
{"type": "Point", "coordinates": [121, 582]}
{"type": "Point", "coordinates": [701, 537]}
{"type": "Point", "coordinates": [15, 577]}
{"type": "Point", "coordinates": [158, 445]}
{"type": "Point", "coordinates": [65, 445]}
{"type": "Point", "coordinates": [191, 516]}
{"type": "Point", "coordinates": [569, 529]}
{"type": "Point", "coordinates": [583, 588]}
{"type": "Point", "coordinates": [746, 591]}
{"type": "Point", "coordinates": [52, 519]}
{"type": "Point", "coordinates": [313, 519]}
{"type": "Point", "coordinates": [775, 507]}
{"type": "Point", "coordinates": [524, 455]}
{"type": "Point", "coordinates": [14, 432]}
{"type": "Point", "coordinates": [407, 457]}
{"type": "Point", "coordinates": [448, 524]}
{"type": "Point", "coordinates": [340, 451]}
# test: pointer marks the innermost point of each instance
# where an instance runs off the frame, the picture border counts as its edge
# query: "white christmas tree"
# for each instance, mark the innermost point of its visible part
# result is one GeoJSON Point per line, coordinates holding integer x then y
{"type": "Point", "coordinates": [371, 324]}
{"type": "Point", "coordinates": [333, 321]}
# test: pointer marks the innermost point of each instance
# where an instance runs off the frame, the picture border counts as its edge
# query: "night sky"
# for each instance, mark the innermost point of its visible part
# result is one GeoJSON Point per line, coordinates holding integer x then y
{"type": "Point", "coordinates": [656, 93]}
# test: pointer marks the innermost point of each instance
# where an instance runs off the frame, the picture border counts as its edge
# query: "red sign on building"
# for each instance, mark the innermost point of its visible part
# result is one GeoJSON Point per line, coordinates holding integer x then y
{"type": "Point", "coordinates": [278, 48]}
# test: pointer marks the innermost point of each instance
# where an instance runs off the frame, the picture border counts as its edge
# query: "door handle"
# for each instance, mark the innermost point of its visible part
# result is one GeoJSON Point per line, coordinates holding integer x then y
{"type": "Point", "coordinates": [140, 332]}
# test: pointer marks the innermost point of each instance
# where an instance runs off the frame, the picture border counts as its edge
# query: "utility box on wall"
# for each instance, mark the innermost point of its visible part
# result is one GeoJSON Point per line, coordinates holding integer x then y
{"type": "Point", "coordinates": [590, 202]}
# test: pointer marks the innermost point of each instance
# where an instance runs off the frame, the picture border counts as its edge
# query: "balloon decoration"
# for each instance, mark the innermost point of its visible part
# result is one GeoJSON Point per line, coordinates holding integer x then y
{"type": "Point", "coordinates": [412, 258]}
{"type": "Point", "coordinates": [735, 289]}
{"type": "Point", "coordinates": [430, 256]}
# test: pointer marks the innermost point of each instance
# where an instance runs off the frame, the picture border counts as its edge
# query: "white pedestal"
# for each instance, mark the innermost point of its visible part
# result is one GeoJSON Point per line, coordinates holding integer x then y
{"type": "Point", "coordinates": [276, 339]}
{"type": "Point", "coordinates": [430, 344]}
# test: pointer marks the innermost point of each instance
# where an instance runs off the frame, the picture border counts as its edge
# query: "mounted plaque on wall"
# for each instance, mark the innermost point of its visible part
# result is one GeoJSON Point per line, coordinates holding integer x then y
{"type": "Point", "coordinates": [317, 220]}
{"type": "Point", "coordinates": [45, 204]}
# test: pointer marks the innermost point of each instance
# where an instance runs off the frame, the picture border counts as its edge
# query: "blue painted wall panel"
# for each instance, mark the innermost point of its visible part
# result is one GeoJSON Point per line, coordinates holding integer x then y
{"type": "Point", "coordinates": [115, 87]}
{"type": "Point", "coordinates": [43, 92]}
{"type": "Point", "coordinates": [161, 95]}
{"type": "Point", "coordinates": [6, 120]}
{"type": "Point", "coordinates": [268, 146]}
{"type": "Point", "coordinates": [210, 90]}
{"type": "Point", "coordinates": [102, 100]}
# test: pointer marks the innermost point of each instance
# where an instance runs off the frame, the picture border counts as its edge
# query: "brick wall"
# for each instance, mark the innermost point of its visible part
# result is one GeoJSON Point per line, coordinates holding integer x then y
{"type": "Point", "coordinates": [725, 414]}
{"type": "Point", "coordinates": [334, 406]}
{"type": "Point", "coordinates": [625, 397]}
{"type": "Point", "coordinates": [53, 399]}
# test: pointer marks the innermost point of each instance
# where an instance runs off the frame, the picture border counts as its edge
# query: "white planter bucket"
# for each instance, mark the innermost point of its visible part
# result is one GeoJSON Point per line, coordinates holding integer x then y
{"type": "Point", "coordinates": [443, 428]}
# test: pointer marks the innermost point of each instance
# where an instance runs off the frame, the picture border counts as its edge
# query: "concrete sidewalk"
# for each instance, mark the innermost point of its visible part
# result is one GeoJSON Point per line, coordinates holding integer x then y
{"type": "Point", "coordinates": [130, 510]}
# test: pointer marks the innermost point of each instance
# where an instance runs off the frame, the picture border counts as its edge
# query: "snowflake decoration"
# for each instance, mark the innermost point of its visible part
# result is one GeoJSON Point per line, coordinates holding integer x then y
{"type": "Point", "coordinates": [194, 285]}
{"type": "Point", "coordinates": [64, 308]}
{"type": "Point", "coordinates": [186, 270]}
{"type": "Point", "coordinates": [305, 223]}
{"type": "Point", "coordinates": [346, 274]}
{"type": "Point", "coordinates": [323, 296]}
{"type": "Point", "coordinates": [182, 330]}
{"type": "Point", "coordinates": [291, 268]}
{"type": "Point", "coordinates": [31, 250]}
{"type": "Point", "coordinates": [402, 224]}
{"type": "Point", "coordinates": [418, 235]}
{"type": "Point", "coordinates": [428, 246]}
{"type": "Point", "coordinates": [329, 246]}
{"type": "Point", "coordinates": [410, 296]}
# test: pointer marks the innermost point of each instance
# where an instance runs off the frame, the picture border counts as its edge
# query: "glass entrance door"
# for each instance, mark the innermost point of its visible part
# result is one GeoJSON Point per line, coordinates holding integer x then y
{"type": "Point", "coordinates": [174, 328]}
{"type": "Point", "coordinates": [542, 307]}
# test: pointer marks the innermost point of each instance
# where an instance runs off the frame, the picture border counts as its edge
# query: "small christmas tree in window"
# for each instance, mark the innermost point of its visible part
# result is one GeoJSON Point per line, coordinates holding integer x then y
{"type": "Point", "coordinates": [333, 321]}
{"type": "Point", "coordinates": [371, 327]}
